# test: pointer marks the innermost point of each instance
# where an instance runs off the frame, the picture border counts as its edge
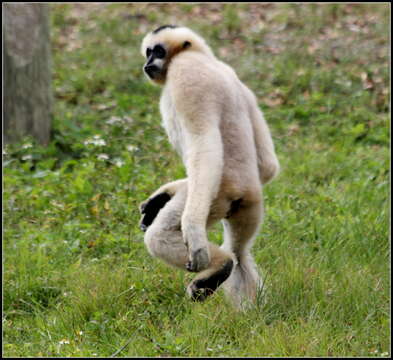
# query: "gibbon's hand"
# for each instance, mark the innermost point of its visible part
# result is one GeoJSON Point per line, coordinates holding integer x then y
{"type": "Point", "coordinates": [194, 236]}
{"type": "Point", "coordinates": [150, 208]}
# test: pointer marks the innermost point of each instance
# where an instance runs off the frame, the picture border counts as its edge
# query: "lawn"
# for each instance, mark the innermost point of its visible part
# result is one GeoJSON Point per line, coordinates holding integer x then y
{"type": "Point", "coordinates": [77, 279]}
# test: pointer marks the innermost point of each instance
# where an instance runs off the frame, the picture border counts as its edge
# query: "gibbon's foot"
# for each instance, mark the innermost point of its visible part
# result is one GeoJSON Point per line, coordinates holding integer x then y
{"type": "Point", "coordinates": [150, 208]}
{"type": "Point", "coordinates": [200, 288]}
{"type": "Point", "coordinates": [199, 294]}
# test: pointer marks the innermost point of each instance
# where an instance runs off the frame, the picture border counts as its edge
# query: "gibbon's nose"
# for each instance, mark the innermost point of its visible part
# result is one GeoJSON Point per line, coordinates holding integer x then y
{"type": "Point", "coordinates": [151, 69]}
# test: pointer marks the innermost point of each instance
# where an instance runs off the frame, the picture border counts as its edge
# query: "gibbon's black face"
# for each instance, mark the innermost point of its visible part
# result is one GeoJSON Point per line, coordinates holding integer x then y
{"type": "Point", "coordinates": [155, 67]}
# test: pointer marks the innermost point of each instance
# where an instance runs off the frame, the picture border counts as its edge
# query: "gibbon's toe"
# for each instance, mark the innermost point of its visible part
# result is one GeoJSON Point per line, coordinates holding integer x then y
{"type": "Point", "coordinates": [150, 208]}
{"type": "Point", "coordinates": [198, 294]}
{"type": "Point", "coordinates": [202, 287]}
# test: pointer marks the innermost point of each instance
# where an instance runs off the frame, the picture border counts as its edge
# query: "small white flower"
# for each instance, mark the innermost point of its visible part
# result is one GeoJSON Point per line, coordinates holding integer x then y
{"type": "Point", "coordinates": [113, 120]}
{"type": "Point", "coordinates": [96, 140]}
{"type": "Point", "coordinates": [27, 146]}
{"type": "Point", "coordinates": [209, 349]}
{"type": "Point", "coordinates": [100, 142]}
{"type": "Point", "coordinates": [131, 148]}
{"type": "Point", "coordinates": [27, 157]}
{"type": "Point", "coordinates": [128, 119]}
{"type": "Point", "coordinates": [102, 157]}
{"type": "Point", "coordinates": [64, 341]}
{"type": "Point", "coordinates": [80, 333]}
{"type": "Point", "coordinates": [119, 162]}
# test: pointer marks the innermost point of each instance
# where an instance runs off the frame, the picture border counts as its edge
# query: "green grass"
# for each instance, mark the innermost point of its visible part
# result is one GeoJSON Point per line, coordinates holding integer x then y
{"type": "Point", "coordinates": [77, 278]}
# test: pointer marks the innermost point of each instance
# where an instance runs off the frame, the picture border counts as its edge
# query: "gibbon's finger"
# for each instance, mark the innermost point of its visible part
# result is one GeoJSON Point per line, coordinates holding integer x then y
{"type": "Point", "coordinates": [199, 260]}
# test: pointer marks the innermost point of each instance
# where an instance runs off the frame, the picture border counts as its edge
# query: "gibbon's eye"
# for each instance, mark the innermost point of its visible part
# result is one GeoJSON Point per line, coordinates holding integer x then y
{"type": "Point", "coordinates": [148, 52]}
{"type": "Point", "coordinates": [159, 51]}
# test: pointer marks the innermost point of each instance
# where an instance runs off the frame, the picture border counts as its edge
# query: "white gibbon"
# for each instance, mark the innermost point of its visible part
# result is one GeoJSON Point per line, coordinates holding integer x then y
{"type": "Point", "coordinates": [213, 121]}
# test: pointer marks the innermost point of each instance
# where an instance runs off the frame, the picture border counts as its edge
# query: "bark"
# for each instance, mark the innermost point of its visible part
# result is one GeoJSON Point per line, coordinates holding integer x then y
{"type": "Point", "coordinates": [27, 72]}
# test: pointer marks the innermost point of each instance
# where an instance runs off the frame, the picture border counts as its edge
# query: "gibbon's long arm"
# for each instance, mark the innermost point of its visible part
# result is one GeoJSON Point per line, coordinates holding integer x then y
{"type": "Point", "coordinates": [204, 164]}
{"type": "Point", "coordinates": [204, 171]}
{"type": "Point", "coordinates": [196, 97]}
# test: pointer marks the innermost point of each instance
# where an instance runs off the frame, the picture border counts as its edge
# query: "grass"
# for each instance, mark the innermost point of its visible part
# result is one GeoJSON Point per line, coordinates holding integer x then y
{"type": "Point", "coordinates": [77, 278]}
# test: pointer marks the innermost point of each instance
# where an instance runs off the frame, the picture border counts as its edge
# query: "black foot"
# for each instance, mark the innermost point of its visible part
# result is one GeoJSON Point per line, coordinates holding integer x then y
{"type": "Point", "coordinates": [200, 289]}
{"type": "Point", "coordinates": [151, 208]}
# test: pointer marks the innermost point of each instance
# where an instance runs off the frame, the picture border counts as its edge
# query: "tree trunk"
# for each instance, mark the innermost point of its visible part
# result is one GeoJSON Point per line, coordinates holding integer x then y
{"type": "Point", "coordinates": [27, 72]}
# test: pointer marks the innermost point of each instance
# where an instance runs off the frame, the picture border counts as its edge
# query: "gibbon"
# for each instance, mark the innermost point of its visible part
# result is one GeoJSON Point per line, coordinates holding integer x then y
{"type": "Point", "coordinates": [213, 121]}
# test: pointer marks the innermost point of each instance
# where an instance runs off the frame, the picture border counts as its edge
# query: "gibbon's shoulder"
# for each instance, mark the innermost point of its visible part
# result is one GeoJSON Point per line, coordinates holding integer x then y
{"type": "Point", "coordinates": [192, 71]}
{"type": "Point", "coordinates": [192, 62]}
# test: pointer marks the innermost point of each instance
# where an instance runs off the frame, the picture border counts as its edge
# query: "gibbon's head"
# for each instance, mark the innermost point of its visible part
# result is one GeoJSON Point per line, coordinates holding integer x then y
{"type": "Point", "coordinates": [162, 44]}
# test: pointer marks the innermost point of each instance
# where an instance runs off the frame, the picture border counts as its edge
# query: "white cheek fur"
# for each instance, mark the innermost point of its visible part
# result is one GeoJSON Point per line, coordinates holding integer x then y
{"type": "Point", "coordinates": [158, 62]}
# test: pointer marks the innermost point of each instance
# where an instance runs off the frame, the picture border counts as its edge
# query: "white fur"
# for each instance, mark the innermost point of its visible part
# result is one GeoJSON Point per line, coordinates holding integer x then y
{"type": "Point", "coordinates": [158, 62]}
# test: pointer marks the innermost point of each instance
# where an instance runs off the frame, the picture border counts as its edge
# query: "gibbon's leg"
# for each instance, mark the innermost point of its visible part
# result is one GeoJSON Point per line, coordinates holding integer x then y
{"type": "Point", "coordinates": [170, 188]}
{"type": "Point", "coordinates": [164, 240]}
{"type": "Point", "coordinates": [240, 228]}
{"type": "Point", "coordinates": [150, 207]}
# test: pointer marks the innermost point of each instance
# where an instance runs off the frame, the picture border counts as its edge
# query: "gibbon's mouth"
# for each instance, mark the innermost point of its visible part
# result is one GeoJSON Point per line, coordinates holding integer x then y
{"type": "Point", "coordinates": [152, 71]}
